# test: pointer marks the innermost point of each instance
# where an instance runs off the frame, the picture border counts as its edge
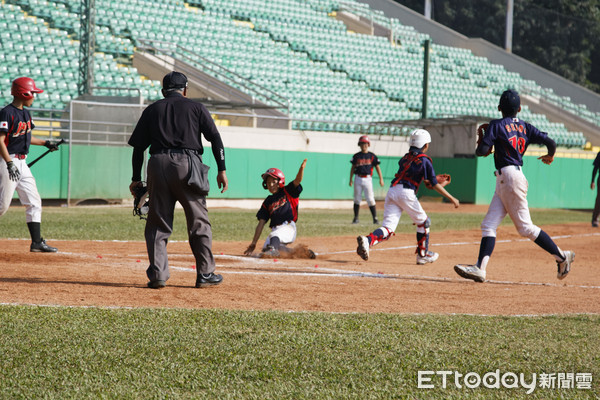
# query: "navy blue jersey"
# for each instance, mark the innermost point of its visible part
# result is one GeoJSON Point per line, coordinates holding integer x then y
{"type": "Point", "coordinates": [17, 125]}
{"type": "Point", "coordinates": [510, 138]}
{"type": "Point", "coordinates": [413, 168]}
{"type": "Point", "coordinates": [282, 206]}
{"type": "Point", "coordinates": [364, 163]}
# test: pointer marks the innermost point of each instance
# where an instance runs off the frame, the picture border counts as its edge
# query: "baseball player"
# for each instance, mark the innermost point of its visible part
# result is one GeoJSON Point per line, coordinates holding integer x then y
{"type": "Point", "coordinates": [414, 168]}
{"type": "Point", "coordinates": [596, 212]}
{"type": "Point", "coordinates": [15, 138]}
{"type": "Point", "coordinates": [281, 207]}
{"type": "Point", "coordinates": [362, 170]}
{"type": "Point", "coordinates": [510, 137]}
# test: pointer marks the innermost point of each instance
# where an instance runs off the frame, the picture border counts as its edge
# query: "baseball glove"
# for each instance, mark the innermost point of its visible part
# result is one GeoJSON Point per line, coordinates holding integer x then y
{"type": "Point", "coordinates": [140, 202]}
{"type": "Point", "coordinates": [442, 179]}
{"type": "Point", "coordinates": [481, 130]}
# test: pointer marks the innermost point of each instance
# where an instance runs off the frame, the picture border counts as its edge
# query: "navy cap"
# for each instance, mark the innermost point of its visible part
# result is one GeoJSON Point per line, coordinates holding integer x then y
{"type": "Point", "coordinates": [174, 80]}
{"type": "Point", "coordinates": [510, 102]}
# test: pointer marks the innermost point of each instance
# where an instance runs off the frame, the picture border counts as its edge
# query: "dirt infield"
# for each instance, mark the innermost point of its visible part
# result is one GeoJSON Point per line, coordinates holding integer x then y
{"type": "Point", "coordinates": [522, 277]}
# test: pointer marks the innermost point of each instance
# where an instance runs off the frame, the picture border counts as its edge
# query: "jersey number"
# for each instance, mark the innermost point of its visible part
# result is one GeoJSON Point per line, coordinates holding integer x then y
{"type": "Point", "coordinates": [518, 143]}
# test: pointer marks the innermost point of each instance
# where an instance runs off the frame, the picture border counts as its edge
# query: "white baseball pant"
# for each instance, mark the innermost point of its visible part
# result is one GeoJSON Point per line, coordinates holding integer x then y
{"type": "Point", "coordinates": [286, 233]}
{"type": "Point", "coordinates": [364, 185]}
{"type": "Point", "coordinates": [510, 198]}
{"type": "Point", "coordinates": [399, 199]}
{"type": "Point", "coordinates": [25, 187]}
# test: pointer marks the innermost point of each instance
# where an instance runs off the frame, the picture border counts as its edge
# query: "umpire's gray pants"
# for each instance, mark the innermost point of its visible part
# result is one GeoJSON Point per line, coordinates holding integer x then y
{"type": "Point", "coordinates": [167, 183]}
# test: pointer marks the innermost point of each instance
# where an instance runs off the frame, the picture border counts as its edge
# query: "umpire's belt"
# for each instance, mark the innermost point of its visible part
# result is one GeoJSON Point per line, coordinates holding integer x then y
{"type": "Point", "coordinates": [499, 171]}
{"type": "Point", "coordinates": [169, 151]}
{"type": "Point", "coordinates": [19, 156]}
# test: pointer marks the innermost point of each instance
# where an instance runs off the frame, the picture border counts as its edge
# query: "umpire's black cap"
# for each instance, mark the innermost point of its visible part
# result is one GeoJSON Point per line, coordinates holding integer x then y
{"type": "Point", "coordinates": [174, 80]}
{"type": "Point", "coordinates": [510, 102]}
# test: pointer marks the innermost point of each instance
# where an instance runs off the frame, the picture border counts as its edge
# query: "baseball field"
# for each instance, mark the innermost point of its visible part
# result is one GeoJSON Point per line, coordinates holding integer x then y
{"type": "Point", "coordinates": [82, 324]}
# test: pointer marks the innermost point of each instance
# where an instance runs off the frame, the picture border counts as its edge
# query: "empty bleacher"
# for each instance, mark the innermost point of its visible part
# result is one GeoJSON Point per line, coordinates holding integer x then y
{"type": "Point", "coordinates": [333, 78]}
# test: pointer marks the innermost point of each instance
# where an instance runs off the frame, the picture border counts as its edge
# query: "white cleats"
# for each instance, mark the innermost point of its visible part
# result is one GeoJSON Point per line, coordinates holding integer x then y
{"type": "Point", "coordinates": [363, 247]}
{"type": "Point", "coordinates": [470, 272]}
{"type": "Point", "coordinates": [429, 257]}
{"type": "Point", "coordinates": [565, 267]}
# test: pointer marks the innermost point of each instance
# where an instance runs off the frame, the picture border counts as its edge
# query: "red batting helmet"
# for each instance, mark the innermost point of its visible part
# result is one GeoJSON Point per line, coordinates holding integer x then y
{"type": "Point", "coordinates": [275, 173]}
{"type": "Point", "coordinates": [363, 139]}
{"type": "Point", "coordinates": [24, 88]}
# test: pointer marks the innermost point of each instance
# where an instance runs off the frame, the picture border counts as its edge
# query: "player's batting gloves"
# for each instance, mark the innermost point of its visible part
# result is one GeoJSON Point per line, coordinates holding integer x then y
{"type": "Point", "coordinates": [52, 146]}
{"type": "Point", "coordinates": [13, 171]}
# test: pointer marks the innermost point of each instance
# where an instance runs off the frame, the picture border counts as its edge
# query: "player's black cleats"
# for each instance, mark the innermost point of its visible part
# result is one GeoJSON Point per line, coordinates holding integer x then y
{"type": "Point", "coordinates": [42, 247]}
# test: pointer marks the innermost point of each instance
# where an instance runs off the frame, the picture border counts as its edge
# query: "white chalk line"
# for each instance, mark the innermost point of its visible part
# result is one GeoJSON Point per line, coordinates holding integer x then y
{"type": "Point", "coordinates": [341, 273]}
{"type": "Point", "coordinates": [336, 273]}
{"type": "Point", "coordinates": [458, 244]}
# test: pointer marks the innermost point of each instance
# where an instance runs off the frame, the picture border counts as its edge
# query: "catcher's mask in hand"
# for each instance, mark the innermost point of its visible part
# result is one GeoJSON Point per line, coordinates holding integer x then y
{"type": "Point", "coordinates": [140, 201]}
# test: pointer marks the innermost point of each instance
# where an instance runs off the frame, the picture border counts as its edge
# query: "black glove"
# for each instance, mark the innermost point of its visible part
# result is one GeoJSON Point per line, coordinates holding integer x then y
{"type": "Point", "coordinates": [52, 146]}
{"type": "Point", "coordinates": [13, 171]}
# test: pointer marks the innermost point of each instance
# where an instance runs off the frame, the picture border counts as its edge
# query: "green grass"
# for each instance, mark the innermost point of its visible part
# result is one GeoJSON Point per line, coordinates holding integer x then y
{"type": "Point", "coordinates": [117, 223]}
{"type": "Point", "coordinates": [81, 353]}
{"type": "Point", "coordinates": [89, 353]}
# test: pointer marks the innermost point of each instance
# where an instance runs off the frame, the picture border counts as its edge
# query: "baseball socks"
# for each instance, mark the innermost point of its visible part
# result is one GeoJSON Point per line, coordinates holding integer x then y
{"type": "Point", "coordinates": [546, 243]}
{"type": "Point", "coordinates": [486, 248]}
{"type": "Point", "coordinates": [35, 231]}
{"type": "Point", "coordinates": [356, 209]}
{"type": "Point", "coordinates": [38, 244]}
{"type": "Point", "coordinates": [374, 214]}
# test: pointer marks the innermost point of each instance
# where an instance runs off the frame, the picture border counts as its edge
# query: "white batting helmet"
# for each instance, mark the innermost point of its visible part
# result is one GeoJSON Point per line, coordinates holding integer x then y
{"type": "Point", "coordinates": [419, 138]}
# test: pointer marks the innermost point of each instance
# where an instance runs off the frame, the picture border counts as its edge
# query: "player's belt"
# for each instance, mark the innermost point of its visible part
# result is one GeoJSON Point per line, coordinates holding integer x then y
{"type": "Point", "coordinates": [499, 171]}
{"type": "Point", "coordinates": [364, 176]}
{"type": "Point", "coordinates": [19, 156]}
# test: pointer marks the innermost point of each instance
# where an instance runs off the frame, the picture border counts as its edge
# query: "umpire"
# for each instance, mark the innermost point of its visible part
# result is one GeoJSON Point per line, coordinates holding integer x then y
{"type": "Point", "coordinates": [172, 127]}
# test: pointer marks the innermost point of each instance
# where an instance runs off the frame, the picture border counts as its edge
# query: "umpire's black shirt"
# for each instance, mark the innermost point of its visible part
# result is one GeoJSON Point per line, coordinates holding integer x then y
{"type": "Point", "coordinates": [177, 122]}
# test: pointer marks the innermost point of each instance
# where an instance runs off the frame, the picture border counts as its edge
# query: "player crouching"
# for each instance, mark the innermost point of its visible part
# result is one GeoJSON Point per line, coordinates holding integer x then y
{"type": "Point", "coordinates": [281, 207]}
{"type": "Point", "coordinates": [414, 168]}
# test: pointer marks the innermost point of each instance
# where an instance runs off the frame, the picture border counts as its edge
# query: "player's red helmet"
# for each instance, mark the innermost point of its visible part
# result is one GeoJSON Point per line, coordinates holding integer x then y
{"type": "Point", "coordinates": [363, 139]}
{"type": "Point", "coordinates": [275, 173]}
{"type": "Point", "coordinates": [24, 88]}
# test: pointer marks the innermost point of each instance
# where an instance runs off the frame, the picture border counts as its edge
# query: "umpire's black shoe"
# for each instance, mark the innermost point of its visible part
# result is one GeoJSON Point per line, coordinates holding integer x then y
{"type": "Point", "coordinates": [206, 280]}
{"type": "Point", "coordinates": [42, 247]}
{"type": "Point", "coordinates": [157, 284]}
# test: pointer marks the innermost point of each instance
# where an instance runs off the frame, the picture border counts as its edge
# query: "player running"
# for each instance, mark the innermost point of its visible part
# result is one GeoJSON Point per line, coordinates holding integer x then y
{"type": "Point", "coordinates": [510, 137]}
{"type": "Point", "coordinates": [415, 167]}
{"type": "Point", "coordinates": [15, 138]}
{"type": "Point", "coordinates": [362, 170]}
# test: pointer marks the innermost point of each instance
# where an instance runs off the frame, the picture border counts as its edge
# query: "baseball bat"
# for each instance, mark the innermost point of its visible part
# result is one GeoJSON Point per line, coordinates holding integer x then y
{"type": "Point", "coordinates": [43, 155]}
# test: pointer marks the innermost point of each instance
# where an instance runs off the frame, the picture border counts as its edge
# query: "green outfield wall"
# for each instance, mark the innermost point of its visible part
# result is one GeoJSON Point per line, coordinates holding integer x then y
{"type": "Point", "coordinates": [104, 172]}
